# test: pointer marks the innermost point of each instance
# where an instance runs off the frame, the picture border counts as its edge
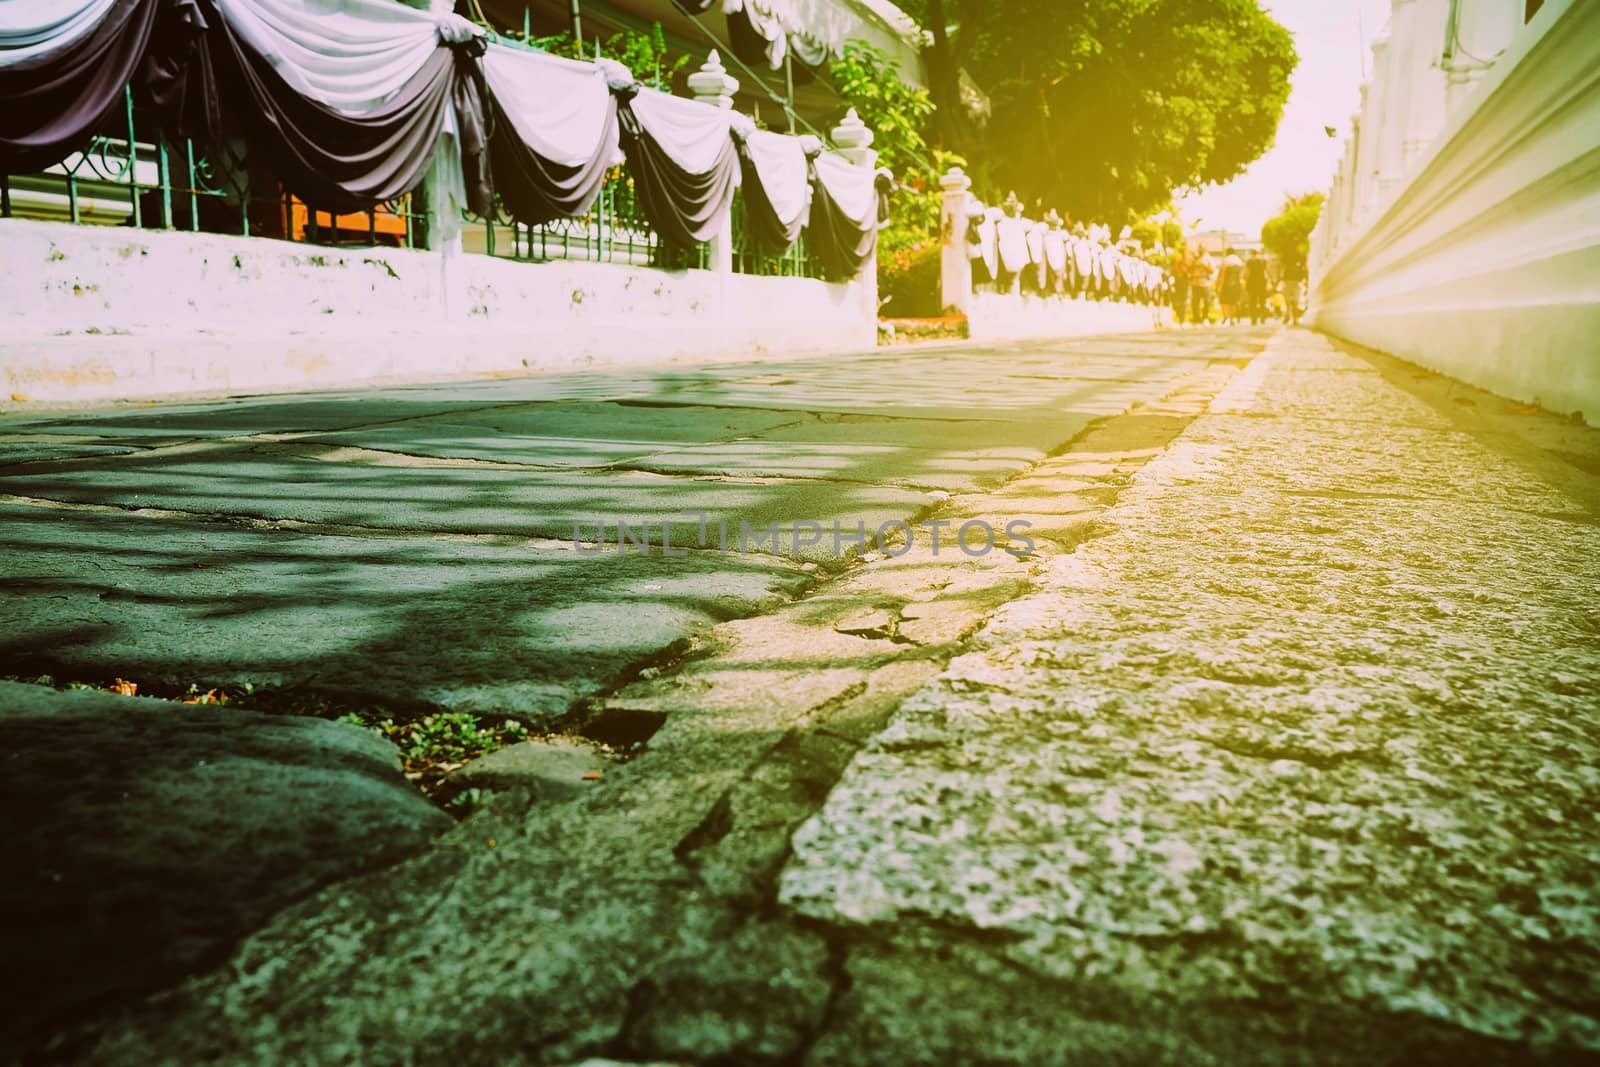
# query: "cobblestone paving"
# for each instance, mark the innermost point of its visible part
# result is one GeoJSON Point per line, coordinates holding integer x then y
{"type": "Point", "coordinates": [1313, 729]}
{"type": "Point", "coordinates": [1281, 747]}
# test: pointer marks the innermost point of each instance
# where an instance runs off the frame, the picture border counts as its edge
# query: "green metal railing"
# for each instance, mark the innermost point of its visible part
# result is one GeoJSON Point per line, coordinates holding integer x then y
{"type": "Point", "coordinates": [613, 231]}
{"type": "Point", "coordinates": [748, 258]}
{"type": "Point", "coordinates": [168, 183]}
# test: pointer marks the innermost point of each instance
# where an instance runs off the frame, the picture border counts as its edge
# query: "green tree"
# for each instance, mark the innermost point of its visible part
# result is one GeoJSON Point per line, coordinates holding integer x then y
{"type": "Point", "coordinates": [908, 246]}
{"type": "Point", "coordinates": [896, 114]}
{"type": "Point", "coordinates": [643, 52]}
{"type": "Point", "coordinates": [1287, 235]}
{"type": "Point", "coordinates": [1104, 108]}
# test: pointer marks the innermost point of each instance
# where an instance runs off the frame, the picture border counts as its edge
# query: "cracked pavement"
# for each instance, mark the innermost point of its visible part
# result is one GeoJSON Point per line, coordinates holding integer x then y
{"type": "Point", "coordinates": [1279, 747]}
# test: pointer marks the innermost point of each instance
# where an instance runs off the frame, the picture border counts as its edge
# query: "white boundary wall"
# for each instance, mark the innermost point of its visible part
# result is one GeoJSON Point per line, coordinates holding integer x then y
{"type": "Point", "coordinates": [1480, 256]}
{"type": "Point", "coordinates": [1017, 316]}
{"type": "Point", "coordinates": [93, 313]}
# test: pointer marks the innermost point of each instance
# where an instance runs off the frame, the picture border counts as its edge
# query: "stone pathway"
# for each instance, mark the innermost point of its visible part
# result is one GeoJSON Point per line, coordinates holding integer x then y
{"type": "Point", "coordinates": [1300, 758]}
{"type": "Point", "coordinates": [414, 546]}
{"type": "Point", "coordinates": [1280, 747]}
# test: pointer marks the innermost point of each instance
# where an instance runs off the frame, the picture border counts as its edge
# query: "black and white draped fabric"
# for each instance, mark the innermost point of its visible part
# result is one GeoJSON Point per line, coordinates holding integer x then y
{"type": "Point", "coordinates": [1083, 262]}
{"type": "Point", "coordinates": [1011, 234]}
{"type": "Point", "coordinates": [684, 163]}
{"type": "Point", "coordinates": [843, 232]}
{"type": "Point", "coordinates": [1056, 258]}
{"type": "Point", "coordinates": [809, 32]}
{"type": "Point", "coordinates": [347, 99]}
{"type": "Point", "coordinates": [554, 133]}
{"type": "Point", "coordinates": [63, 65]}
{"type": "Point", "coordinates": [777, 188]}
{"type": "Point", "coordinates": [982, 245]}
{"type": "Point", "coordinates": [349, 104]}
{"type": "Point", "coordinates": [1041, 270]}
{"type": "Point", "coordinates": [349, 55]}
{"type": "Point", "coordinates": [757, 37]}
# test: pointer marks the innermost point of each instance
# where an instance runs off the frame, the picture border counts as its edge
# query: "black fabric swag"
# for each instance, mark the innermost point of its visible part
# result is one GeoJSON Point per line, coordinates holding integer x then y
{"type": "Point", "coordinates": [839, 243]}
{"type": "Point", "coordinates": [534, 189]}
{"type": "Point", "coordinates": [766, 227]}
{"type": "Point", "coordinates": [334, 160]}
{"type": "Point", "coordinates": [54, 103]}
{"type": "Point", "coordinates": [684, 208]}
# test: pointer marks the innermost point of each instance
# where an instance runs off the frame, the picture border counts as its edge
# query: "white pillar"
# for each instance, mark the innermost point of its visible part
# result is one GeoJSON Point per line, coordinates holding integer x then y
{"type": "Point", "coordinates": [714, 86]}
{"type": "Point", "coordinates": [853, 140]}
{"type": "Point", "coordinates": [1344, 207]}
{"type": "Point", "coordinates": [1364, 193]}
{"type": "Point", "coordinates": [1402, 75]}
{"type": "Point", "coordinates": [1329, 223]}
{"type": "Point", "coordinates": [1484, 29]}
{"type": "Point", "coordinates": [1427, 98]}
{"type": "Point", "coordinates": [1388, 112]}
{"type": "Point", "coordinates": [955, 269]}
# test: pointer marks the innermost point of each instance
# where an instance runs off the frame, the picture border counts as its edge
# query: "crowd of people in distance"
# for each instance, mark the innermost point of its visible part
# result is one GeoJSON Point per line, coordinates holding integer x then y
{"type": "Point", "coordinates": [1242, 288]}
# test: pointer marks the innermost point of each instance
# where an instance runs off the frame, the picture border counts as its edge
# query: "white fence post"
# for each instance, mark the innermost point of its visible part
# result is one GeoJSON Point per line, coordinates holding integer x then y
{"type": "Point", "coordinates": [853, 140]}
{"type": "Point", "coordinates": [955, 269]}
{"type": "Point", "coordinates": [713, 85]}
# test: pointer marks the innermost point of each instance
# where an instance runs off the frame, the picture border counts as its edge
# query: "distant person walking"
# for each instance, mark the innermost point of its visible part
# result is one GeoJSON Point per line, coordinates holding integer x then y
{"type": "Point", "coordinates": [1202, 272]}
{"type": "Point", "coordinates": [1294, 274]}
{"type": "Point", "coordinates": [1230, 287]}
{"type": "Point", "coordinates": [1181, 266]}
{"type": "Point", "coordinates": [1255, 287]}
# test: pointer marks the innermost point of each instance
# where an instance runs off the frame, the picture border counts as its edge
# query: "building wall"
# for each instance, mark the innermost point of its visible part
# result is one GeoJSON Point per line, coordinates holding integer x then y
{"type": "Point", "coordinates": [103, 313]}
{"type": "Point", "coordinates": [1477, 253]}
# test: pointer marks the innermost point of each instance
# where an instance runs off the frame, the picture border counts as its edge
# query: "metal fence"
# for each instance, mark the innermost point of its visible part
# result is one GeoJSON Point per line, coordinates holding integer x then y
{"type": "Point", "coordinates": [616, 231]}
{"type": "Point", "coordinates": [748, 258]}
{"type": "Point", "coordinates": [132, 175]}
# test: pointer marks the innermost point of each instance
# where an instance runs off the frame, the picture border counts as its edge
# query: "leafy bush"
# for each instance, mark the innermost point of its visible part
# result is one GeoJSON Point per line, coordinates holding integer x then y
{"type": "Point", "coordinates": [909, 282]}
{"type": "Point", "coordinates": [908, 245]}
{"type": "Point", "coordinates": [643, 52]}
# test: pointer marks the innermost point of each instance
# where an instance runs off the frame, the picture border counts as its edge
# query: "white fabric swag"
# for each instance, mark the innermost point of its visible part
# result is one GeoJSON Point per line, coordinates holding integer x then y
{"type": "Point", "coordinates": [780, 163]}
{"type": "Point", "coordinates": [1012, 235]}
{"type": "Point", "coordinates": [31, 28]}
{"type": "Point", "coordinates": [351, 55]}
{"type": "Point", "coordinates": [560, 108]}
{"type": "Point", "coordinates": [813, 29]}
{"type": "Point", "coordinates": [1083, 256]}
{"type": "Point", "coordinates": [1036, 234]}
{"type": "Point", "coordinates": [986, 247]}
{"type": "Point", "coordinates": [692, 134]}
{"type": "Point", "coordinates": [1055, 251]}
{"type": "Point", "coordinates": [854, 189]}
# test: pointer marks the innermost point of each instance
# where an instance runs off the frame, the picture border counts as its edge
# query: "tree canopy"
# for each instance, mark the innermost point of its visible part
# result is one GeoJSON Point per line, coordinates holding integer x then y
{"type": "Point", "coordinates": [1287, 235]}
{"type": "Point", "coordinates": [1105, 108]}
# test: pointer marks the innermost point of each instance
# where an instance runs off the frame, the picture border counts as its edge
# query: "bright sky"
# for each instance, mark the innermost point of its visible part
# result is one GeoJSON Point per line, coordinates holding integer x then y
{"type": "Point", "coordinates": [1328, 34]}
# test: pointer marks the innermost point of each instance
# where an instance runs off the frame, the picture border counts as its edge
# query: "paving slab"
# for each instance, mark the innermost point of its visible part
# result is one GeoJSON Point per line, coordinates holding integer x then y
{"type": "Point", "coordinates": [637, 919]}
{"type": "Point", "coordinates": [564, 434]}
{"type": "Point", "coordinates": [465, 625]}
{"type": "Point", "coordinates": [144, 838]}
{"type": "Point", "coordinates": [1300, 754]}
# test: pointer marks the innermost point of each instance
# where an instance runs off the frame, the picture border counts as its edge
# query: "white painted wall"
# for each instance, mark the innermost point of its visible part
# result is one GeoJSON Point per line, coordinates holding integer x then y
{"type": "Point", "coordinates": [995, 316]}
{"type": "Point", "coordinates": [1018, 315]}
{"type": "Point", "coordinates": [1484, 263]}
{"type": "Point", "coordinates": [101, 313]}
